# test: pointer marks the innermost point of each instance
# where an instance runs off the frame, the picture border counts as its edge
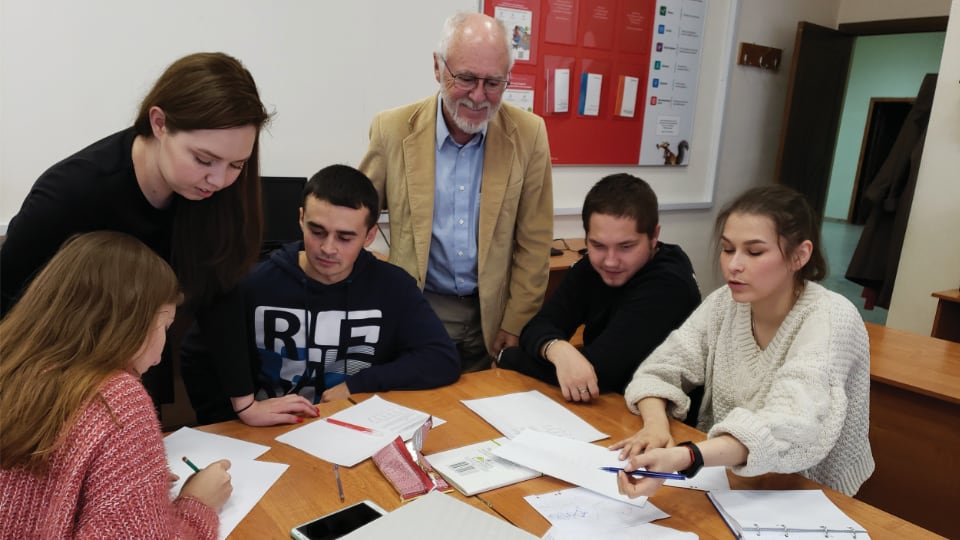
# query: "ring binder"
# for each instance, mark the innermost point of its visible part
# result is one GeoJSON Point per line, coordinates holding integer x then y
{"type": "Point", "coordinates": [795, 514]}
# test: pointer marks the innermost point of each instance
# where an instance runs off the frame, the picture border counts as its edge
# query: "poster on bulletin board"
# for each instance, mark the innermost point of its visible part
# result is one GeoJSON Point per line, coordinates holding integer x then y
{"type": "Point", "coordinates": [614, 80]}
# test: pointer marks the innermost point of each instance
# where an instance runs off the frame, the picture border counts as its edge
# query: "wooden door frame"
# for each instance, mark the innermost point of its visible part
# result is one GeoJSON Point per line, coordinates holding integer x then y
{"type": "Point", "coordinates": [895, 26]}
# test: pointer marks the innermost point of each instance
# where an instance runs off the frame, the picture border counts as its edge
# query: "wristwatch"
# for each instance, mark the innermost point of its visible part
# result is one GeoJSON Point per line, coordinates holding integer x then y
{"type": "Point", "coordinates": [695, 456]}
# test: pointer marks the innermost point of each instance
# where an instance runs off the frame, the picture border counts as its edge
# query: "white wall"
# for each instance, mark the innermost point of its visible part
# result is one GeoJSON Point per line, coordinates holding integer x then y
{"type": "Point", "coordinates": [930, 259]}
{"type": "Point", "coordinates": [74, 72]}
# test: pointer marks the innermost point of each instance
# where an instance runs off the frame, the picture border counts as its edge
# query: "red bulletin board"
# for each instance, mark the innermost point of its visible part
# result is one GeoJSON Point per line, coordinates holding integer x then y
{"type": "Point", "coordinates": [609, 38]}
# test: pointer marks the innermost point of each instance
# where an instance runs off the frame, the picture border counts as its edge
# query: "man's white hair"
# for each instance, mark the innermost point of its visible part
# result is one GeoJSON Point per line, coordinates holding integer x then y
{"type": "Point", "coordinates": [453, 24]}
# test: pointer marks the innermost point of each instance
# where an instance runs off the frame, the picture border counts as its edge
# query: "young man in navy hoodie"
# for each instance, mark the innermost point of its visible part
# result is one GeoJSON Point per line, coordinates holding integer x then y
{"type": "Point", "coordinates": [629, 292]}
{"type": "Point", "coordinates": [325, 318]}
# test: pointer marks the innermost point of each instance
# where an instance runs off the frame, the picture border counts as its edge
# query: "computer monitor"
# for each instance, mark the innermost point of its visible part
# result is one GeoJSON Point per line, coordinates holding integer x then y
{"type": "Point", "coordinates": [282, 196]}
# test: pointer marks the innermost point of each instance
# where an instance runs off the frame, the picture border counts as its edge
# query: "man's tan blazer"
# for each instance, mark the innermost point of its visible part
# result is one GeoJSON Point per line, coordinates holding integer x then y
{"type": "Point", "coordinates": [516, 205]}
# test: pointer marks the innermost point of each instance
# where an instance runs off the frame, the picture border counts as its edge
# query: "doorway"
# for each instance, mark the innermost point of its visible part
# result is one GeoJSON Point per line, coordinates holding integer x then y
{"type": "Point", "coordinates": [819, 79]}
{"type": "Point", "coordinates": [835, 169]}
{"type": "Point", "coordinates": [885, 117]}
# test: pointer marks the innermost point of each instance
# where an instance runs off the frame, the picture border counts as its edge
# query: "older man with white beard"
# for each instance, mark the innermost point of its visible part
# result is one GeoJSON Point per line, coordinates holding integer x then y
{"type": "Point", "coordinates": [467, 183]}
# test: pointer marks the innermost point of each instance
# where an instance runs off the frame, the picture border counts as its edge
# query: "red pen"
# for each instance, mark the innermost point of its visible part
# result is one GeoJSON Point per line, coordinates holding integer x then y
{"type": "Point", "coordinates": [348, 425]}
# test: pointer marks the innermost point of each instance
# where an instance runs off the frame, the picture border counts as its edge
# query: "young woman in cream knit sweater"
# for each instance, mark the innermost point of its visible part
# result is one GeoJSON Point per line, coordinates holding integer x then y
{"type": "Point", "coordinates": [785, 363]}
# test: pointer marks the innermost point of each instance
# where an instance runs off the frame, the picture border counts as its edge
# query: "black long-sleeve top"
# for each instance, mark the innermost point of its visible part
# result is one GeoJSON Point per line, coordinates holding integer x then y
{"type": "Point", "coordinates": [622, 325]}
{"type": "Point", "coordinates": [96, 189]}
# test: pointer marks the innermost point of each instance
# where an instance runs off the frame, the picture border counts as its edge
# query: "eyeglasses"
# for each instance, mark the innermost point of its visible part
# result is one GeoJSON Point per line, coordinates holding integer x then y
{"type": "Point", "coordinates": [469, 82]}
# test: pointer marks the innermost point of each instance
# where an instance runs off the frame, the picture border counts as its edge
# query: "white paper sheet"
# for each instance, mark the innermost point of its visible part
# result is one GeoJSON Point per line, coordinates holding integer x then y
{"type": "Point", "coordinates": [436, 516]}
{"type": "Point", "coordinates": [512, 413]}
{"type": "Point", "coordinates": [708, 479]}
{"type": "Point", "coordinates": [251, 479]}
{"type": "Point", "coordinates": [629, 97]}
{"type": "Point", "coordinates": [576, 462]}
{"type": "Point", "coordinates": [201, 446]}
{"type": "Point", "coordinates": [581, 512]}
{"type": "Point", "coordinates": [591, 84]}
{"type": "Point", "coordinates": [347, 447]}
{"type": "Point", "coordinates": [561, 90]}
{"type": "Point", "coordinates": [646, 531]}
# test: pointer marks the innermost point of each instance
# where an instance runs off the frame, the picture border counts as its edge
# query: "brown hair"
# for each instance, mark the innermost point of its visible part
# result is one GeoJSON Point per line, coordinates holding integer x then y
{"type": "Point", "coordinates": [216, 240]}
{"type": "Point", "coordinates": [626, 196]}
{"type": "Point", "coordinates": [82, 319]}
{"type": "Point", "coordinates": [793, 220]}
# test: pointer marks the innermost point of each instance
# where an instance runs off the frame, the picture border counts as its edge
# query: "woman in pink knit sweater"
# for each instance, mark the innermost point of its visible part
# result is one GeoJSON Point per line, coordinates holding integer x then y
{"type": "Point", "coordinates": [81, 454]}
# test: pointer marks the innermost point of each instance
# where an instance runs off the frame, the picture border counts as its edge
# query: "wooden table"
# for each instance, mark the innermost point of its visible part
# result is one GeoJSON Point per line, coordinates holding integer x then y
{"type": "Point", "coordinates": [915, 428]}
{"type": "Point", "coordinates": [946, 323]}
{"type": "Point", "coordinates": [308, 489]}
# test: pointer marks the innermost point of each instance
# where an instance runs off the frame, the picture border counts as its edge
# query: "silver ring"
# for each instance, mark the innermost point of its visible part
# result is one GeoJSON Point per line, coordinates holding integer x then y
{"type": "Point", "coordinates": [583, 390]}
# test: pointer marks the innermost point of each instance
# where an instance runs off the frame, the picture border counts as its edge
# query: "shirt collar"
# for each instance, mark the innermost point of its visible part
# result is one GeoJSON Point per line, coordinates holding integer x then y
{"type": "Point", "coordinates": [443, 133]}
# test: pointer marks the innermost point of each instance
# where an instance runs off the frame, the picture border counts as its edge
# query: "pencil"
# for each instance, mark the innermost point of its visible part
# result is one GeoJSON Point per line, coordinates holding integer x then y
{"type": "Point", "coordinates": [336, 472]}
{"type": "Point", "coordinates": [190, 463]}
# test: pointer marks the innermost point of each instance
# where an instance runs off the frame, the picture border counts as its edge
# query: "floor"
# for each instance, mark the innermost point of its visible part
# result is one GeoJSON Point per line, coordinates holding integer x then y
{"type": "Point", "coordinates": [839, 242]}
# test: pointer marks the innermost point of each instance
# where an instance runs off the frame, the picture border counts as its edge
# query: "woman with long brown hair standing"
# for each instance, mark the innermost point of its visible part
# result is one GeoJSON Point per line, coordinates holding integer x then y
{"type": "Point", "coordinates": [184, 180]}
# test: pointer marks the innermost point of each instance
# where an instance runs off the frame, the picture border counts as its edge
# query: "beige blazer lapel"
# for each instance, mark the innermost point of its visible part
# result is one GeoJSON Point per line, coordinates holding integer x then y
{"type": "Point", "coordinates": [498, 159]}
{"type": "Point", "coordinates": [419, 158]}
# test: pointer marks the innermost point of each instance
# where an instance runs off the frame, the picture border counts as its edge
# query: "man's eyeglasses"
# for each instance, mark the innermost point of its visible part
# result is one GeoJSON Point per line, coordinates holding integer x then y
{"type": "Point", "coordinates": [468, 82]}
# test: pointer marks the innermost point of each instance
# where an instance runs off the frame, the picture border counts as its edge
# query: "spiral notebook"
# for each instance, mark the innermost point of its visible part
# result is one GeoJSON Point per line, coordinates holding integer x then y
{"type": "Point", "coordinates": [760, 514]}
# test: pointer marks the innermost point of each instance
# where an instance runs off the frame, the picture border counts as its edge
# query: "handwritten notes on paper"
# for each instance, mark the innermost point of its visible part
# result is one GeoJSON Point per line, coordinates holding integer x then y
{"type": "Point", "coordinates": [589, 513]}
{"type": "Point", "coordinates": [577, 513]}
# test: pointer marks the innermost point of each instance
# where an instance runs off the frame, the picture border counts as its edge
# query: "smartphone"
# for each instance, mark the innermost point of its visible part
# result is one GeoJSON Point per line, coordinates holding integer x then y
{"type": "Point", "coordinates": [339, 523]}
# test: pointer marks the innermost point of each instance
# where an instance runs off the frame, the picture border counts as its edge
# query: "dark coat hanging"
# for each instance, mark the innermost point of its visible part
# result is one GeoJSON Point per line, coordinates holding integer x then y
{"type": "Point", "coordinates": [888, 200]}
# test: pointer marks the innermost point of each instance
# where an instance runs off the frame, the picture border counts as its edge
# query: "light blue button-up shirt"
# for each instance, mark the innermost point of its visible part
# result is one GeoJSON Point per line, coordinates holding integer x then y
{"type": "Point", "coordinates": [452, 264]}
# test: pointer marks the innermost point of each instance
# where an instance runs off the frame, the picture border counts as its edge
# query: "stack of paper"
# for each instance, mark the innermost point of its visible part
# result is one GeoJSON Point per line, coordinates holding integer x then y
{"type": "Point", "coordinates": [251, 479]}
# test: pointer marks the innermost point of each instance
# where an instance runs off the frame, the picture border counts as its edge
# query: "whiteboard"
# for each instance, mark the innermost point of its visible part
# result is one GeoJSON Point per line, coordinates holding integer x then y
{"type": "Point", "coordinates": [73, 72]}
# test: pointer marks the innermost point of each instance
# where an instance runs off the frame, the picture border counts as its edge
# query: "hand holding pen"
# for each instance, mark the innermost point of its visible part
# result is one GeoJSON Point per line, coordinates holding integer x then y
{"type": "Point", "coordinates": [640, 482]}
{"type": "Point", "coordinates": [210, 485]}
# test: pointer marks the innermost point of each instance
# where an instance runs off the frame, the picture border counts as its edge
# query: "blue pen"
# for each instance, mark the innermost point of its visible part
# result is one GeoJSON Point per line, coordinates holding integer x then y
{"type": "Point", "coordinates": [648, 474]}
